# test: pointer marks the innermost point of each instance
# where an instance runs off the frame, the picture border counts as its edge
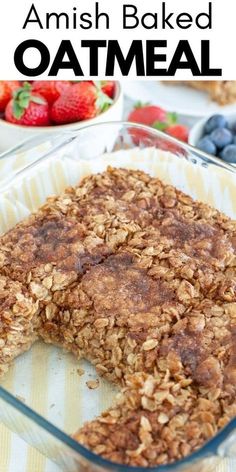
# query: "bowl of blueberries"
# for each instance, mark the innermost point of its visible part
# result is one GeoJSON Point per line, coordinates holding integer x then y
{"type": "Point", "coordinates": [216, 135]}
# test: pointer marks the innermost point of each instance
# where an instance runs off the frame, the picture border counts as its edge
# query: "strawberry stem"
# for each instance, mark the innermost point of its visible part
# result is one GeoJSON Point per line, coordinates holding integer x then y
{"type": "Point", "coordinates": [172, 118]}
{"type": "Point", "coordinates": [140, 104]}
{"type": "Point", "coordinates": [103, 101]}
{"type": "Point", "coordinates": [22, 98]}
{"type": "Point", "coordinates": [160, 125]}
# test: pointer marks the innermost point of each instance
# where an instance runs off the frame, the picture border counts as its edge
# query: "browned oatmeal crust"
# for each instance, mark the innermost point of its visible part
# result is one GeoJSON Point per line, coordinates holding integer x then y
{"type": "Point", "coordinates": [135, 276]}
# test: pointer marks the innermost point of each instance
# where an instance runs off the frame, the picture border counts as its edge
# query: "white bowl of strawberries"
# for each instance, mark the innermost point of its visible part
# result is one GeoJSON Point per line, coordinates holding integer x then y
{"type": "Point", "coordinates": [27, 109]}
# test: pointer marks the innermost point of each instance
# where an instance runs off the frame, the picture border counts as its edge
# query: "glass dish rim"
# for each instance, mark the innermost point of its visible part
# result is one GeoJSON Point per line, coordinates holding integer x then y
{"type": "Point", "coordinates": [211, 446]}
{"type": "Point", "coordinates": [70, 135]}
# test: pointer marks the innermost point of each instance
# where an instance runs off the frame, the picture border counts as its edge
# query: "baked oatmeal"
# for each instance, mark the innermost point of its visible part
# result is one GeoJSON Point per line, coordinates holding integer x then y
{"type": "Point", "coordinates": [221, 91]}
{"type": "Point", "coordinates": [139, 279]}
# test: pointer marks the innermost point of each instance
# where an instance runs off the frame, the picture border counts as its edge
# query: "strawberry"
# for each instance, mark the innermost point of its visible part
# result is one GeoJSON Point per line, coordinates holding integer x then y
{"type": "Point", "coordinates": [50, 89]}
{"type": "Point", "coordinates": [178, 131]}
{"type": "Point", "coordinates": [7, 87]}
{"type": "Point", "coordinates": [27, 108]}
{"type": "Point", "coordinates": [108, 87]}
{"type": "Point", "coordinates": [81, 101]}
{"type": "Point", "coordinates": [147, 114]}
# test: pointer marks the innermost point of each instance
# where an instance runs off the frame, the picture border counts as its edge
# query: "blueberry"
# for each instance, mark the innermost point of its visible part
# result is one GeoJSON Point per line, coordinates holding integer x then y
{"type": "Point", "coordinates": [206, 145]}
{"type": "Point", "coordinates": [216, 121]}
{"type": "Point", "coordinates": [234, 140]}
{"type": "Point", "coordinates": [221, 137]}
{"type": "Point", "coordinates": [233, 128]}
{"type": "Point", "coordinates": [229, 153]}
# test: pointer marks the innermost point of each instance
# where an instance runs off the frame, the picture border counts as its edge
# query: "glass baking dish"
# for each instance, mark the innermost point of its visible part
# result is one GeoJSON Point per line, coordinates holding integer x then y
{"type": "Point", "coordinates": [33, 402]}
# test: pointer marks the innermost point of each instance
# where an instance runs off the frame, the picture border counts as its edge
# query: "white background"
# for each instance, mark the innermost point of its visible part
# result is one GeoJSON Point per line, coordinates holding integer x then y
{"type": "Point", "coordinates": [14, 12]}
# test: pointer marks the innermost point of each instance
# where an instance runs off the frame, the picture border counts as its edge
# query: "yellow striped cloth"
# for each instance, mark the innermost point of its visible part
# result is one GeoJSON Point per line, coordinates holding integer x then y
{"type": "Point", "coordinates": [57, 390]}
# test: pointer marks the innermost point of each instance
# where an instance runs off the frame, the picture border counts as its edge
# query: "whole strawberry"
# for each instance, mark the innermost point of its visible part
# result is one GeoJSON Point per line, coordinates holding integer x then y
{"type": "Point", "coordinates": [27, 108]}
{"type": "Point", "coordinates": [7, 87]}
{"type": "Point", "coordinates": [108, 87]}
{"type": "Point", "coordinates": [82, 101]}
{"type": "Point", "coordinates": [50, 89]}
{"type": "Point", "coordinates": [147, 114]}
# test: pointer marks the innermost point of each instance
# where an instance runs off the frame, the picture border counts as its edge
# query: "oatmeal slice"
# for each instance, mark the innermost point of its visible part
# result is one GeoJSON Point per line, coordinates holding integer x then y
{"type": "Point", "coordinates": [156, 420]}
{"type": "Point", "coordinates": [160, 418]}
{"type": "Point", "coordinates": [48, 253]}
{"type": "Point", "coordinates": [117, 196]}
{"type": "Point", "coordinates": [18, 321]}
{"type": "Point", "coordinates": [118, 202]}
{"type": "Point", "coordinates": [124, 320]}
{"type": "Point", "coordinates": [145, 192]}
{"type": "Point", "coordinates": [117, 316]}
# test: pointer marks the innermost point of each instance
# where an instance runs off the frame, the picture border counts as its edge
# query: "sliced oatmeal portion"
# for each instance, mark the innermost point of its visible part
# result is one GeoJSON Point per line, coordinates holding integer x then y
{"type": "Point", "coordinates": [18, 321]}
{"type": "Point", "coordinates": [133, 188]}
{"type": "Point", "coordinates": [156, 420]}
{"type": "Point", "coordinates": [114, 317]}
{"type": "Point", "coordinates": [116, 204]}
{"type": "Point", "coordinates": [120, 198]}
{"type": "Point", "coordinates": [124, 319]}
{"type": "Point", "coordinates": [47, 254]}
{"type": "Point", "coordinates": [50, 252]}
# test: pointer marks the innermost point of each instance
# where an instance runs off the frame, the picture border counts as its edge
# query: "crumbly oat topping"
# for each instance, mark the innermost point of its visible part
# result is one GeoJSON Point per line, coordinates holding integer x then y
{"type": "Point", "coordinates": [156, 420]}
{"type": "Point", "coordinates": [18, 321]}
{"type": "Point", "coordinates": [80, 372]}
{"type": "Point", "coordinates": [138, 278]}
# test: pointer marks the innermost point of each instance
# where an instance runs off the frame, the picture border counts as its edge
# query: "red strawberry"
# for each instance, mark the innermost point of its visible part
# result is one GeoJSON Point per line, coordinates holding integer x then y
{"type": "Point", "coordinates": [147, 114]}
{"type": "Point", "coordinates": [27, 108]}
{"type": "Point", "coordinates": [50, 89]}
{"type": "Point", "coordinates": [178, 131]}
{"type": "Point", "coordinates": [7, 87]}
{"type": "Point", "coordinates": [81, 101]}
{"type": "Point", "coordinates": [108, 87]}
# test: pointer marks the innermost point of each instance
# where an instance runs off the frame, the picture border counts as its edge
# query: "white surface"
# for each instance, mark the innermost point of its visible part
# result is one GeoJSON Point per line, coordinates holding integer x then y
{"type": "Point", "coordinates": [181, 99]}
